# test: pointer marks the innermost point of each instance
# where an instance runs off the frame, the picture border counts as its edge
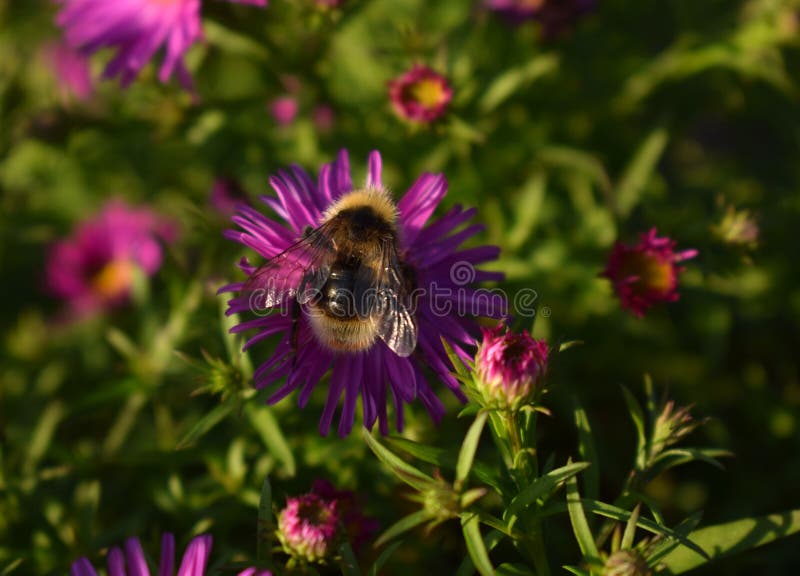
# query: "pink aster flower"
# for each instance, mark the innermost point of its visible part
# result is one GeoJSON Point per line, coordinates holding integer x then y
{"type": "Point", "coordinates": [70, 69]}
{"type": "Point", "coordinates": [132, 560]}
{"type": "Point", "coordinates": [420, 95]}
{"type": "Point", "coordinates": [647, 273]}
{"type": "Point", "coordinates": [510, 368]}
{"type": "Point", "coordinates": [433, 268]}
{"type": "Point", "coordinates": [94, 268]}
{"type": "Point", "coordinates": [137, 29]}
{"type": "Point", "coordinates": [554, 15]}
{"type": "Point", "coordinates": [310, 527]}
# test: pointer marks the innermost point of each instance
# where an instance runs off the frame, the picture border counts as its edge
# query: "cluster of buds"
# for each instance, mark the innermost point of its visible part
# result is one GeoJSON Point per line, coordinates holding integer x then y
{"type": "Point", "coordinates": [671, 426]}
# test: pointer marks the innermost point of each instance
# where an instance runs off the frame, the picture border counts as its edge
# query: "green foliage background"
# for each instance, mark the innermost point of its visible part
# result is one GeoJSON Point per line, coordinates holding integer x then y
{"type": "Point", "coordinates": [646, 114]}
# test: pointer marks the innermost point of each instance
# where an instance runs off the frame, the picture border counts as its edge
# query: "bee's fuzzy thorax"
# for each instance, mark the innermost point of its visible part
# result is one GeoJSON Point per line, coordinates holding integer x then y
{"type": "Point", "coordinates": [376, 198]}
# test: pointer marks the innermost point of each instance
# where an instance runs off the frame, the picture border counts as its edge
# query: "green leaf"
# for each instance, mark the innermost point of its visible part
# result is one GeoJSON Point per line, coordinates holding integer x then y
{"type": "Point", "coordinates": [528, 209]}
{"type": "Point", "coordinates": [205, 424]}
{"type": "Point", "coordinates": [544, 485]}
{"type": "Point", "coordinates": [678, 456]}
{"type": "Point", "coordinates": [510, 81]}
{"type": "Point", "coordinates": [577, 571]}
{"type": "Point", "coordinates": [470, 445]}
{"type": "Point", "coordinates": [218, 35]}
{"type": "Point", "coordinates": [265, 527]}
{"type": "Point", "coordinates": [610, 511]}
{"type": "Point", "coordinates": [587, 452]}
{"type": "Point", "coordinates": [639, 172]}
{"type": "Point", "coordinates": [265, 424]}
{"type": "Point", "coordinates": [470, 525]}
{"type": "Point", "coordinates": [403, 470]}
{"type": "Point", "coordinates": [348, 562]}
{"type": "Point", "coordinates": [383, 558]}
{"type": "Point", "coordinates": [578, 519]}
{"type": "Point", "coordinates": [507, 569]}
{"type": "Point", "coordinates": [447, 460]}
{"type": "Point", "coordinates": [733, 537]}
{"type": "Point", "coordinates": [403, 525]}
{"type": "Point", "coordinates": [11, 566]}
{"type": "Point", "coordinates": [637, 415]}
{"type": "Point", "coordinates": [630, 529]}
{"type": "Point", "coordinates": [461, 373]}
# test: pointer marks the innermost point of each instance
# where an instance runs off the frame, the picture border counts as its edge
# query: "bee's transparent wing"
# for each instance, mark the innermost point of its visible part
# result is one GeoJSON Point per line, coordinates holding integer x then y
{"type": "Point", "coordinates": [396, 324]}
{"type": "Point", "coordinates": [299, 272]}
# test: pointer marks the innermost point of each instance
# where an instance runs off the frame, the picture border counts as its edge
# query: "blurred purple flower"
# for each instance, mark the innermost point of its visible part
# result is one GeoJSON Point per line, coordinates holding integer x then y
{"type": "Point", "coordinates": [225, 195]}
{"type": "Point", "coordinates": [554, 15]}
{"type": "Point", "coordinates": [323, 117]}
{"type": "Point", "coordinates": [137, 29]}
{"type": "Point", "coordinates": [70, 69]}
{"type": "Point", "coordinates": [94, 268]}
{"type": "Point", "coordinates": [359, 527]}
{"type": "Point", "coordinates": [647, 273]}
{"type": "Point", "coordinates": [420, 95]}
{"type": "Point", "coordinates": [428, 251]}
{"type": "Point", "coordinates": [284, 109]}
{"type": "Point", "coordinates": [133, 561]}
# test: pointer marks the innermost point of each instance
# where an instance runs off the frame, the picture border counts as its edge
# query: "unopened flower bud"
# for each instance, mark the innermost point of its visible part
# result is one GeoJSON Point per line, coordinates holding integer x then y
{"type": "Point", "coordinates": [626, 563]}
{"type": "Point", "coordinates": [309, 527]}
{"type": "Point", "coordinates": [510, 368]}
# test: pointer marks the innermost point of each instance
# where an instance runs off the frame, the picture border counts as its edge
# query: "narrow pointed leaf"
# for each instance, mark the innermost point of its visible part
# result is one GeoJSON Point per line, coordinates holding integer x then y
{"type": "Point", "coordinates": [375, 569]}
{"type": "Point", "coordinates": [578, 519]}
{"type": "Point", "coordinates": [403, 525]}
{"type": "Point", "coordinates": [470, 525]}
{"type": "Point", "coordinates": [544, 485]}
{"type": "Point", "coordinates": [405, 471]}
{"type": "Point", "coordinates": [733, 537]}
{"type": "Point", "coordinates": [348, 562]}
{"type": "Point", "coordinates": [467, 453]}
{"type": "Point", "coordinates": [630, 529]}
{"type": "Point", "coordinates": [587, 452]}
{"type": "Point", "coordinates": [461, 371]}
{"type": "Point", "coordinates": [265, 423]}
{"type": "Point", "coordinates": [637, 415]}
{"type": "Point", "coordinates": [205, 424]}
{"type": "Point", "coordinates": [265, 527]}
{"type": "Point", "coordinates": [507, 569]}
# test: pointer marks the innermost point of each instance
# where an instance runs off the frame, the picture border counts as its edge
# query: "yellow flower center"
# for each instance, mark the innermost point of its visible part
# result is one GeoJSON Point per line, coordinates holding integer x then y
{"type": "Point", "coordinates": [114, 279]}
{"type": "Point", "coordinates": [652, 272]}
{"type": "Point", "coordinates": [530, 4]}
{"type": "Point", "coordinates": [428, 92]}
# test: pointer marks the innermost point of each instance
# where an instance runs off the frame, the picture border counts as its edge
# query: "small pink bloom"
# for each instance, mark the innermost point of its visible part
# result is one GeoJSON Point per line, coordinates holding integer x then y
{"type": "Point", "coordinates": [94, 268]}
{"type": "Point", "coordinates": [137, 29]}
{"type": "Point", "coordinates": [284, 109]}
{"type": "Point", "coordinates": [647, 273]}
{"type": "Point", "coordinates": [420, 95]}
{"type": "Point", "coordinates": [70, 69]}
{"type": "Point", "coordinates": [509, 367]}
{"type": "Point", "coordinates": [309, 527]}
{"type": "Point", "coordinates": [226, 195]}
{"type": "Point", "coordinates": [323, 117]}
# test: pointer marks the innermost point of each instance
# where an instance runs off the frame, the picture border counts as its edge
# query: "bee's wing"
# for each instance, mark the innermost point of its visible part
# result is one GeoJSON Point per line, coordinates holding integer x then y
{"type": "Point", "coordinates": [396, 324]}
{"type": "Point", "coordinates": [299, 271]}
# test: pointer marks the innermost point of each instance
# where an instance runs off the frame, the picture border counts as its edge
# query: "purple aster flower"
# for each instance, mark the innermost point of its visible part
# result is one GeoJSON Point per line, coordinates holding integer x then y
{"type": "Point", "coordinates": [94, 268]}
{"type": "Point", "coordinates": [554, 15]}
{"type": "Point", "coordinates": [137, 29]}
{"type": "Point", "coordinates": [434, 268]}
{"type": "Point", "coordinates": [70, 69]}
{"type": "Point", "coordinates": [132, 560]}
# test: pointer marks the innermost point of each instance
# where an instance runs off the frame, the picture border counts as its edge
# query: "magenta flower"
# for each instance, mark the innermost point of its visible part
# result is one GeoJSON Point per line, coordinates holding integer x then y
{"type": "Point", "coordinates": [647, 273]}
{"type": "Point", "coordinates": [70, 69]}
{"type": "Point", "coordinates": [133, 561]}
{"type": "Point", "coordinates": [433, 267]}
{"type": "Point", "coordinates": [137, 29]}
{"type": "Point", "coordinates": [420, 95]}
{"type": "Point", "coordinates": [510, 368]}
{"type": "Point", "coordinates": [284, 109]}
{"type": "Point", "coordinates": [323, 117]}
{"type": "Point", "coordinates": [94, 268]}
{"type": "Point", "coordinates": [310, 528]}
{"type": "Point", "coordinates": [554, 15]}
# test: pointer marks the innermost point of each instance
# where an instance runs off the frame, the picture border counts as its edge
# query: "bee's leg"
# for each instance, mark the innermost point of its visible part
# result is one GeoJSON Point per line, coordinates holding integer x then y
{"type": "Point", "coordinates": [296, 311]}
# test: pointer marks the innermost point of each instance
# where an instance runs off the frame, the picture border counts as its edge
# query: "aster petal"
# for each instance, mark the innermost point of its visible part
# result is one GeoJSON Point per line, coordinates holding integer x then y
{"type": "Point", "coordinates": [82, 567]}
{"type": "Point", "coordinates": [137, 564]}
{"type": "Point", "coordinates": [418, 204]}
{"type": "Point", "coordinates": [351, 390]}
{"type": "Point", "coordinates": [374, 165]}
{"type": "Point", "coordinates": [116, 562]}
{"type": "Point", "coordinates": [339, 375]}
{"type": "Point", "coordinates": [196, 556]}
{"type": "Point", "coordinates": [167, 561]}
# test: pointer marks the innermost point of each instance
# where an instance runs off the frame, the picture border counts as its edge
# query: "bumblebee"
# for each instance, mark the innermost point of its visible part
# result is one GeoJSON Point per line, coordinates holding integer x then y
{"type": "Point", "coordinates": [348, 277]}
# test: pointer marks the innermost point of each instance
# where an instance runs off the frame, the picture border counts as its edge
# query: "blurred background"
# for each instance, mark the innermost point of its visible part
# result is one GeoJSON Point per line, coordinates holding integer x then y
{"type": "Point", "coordinates": [568, 135]}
